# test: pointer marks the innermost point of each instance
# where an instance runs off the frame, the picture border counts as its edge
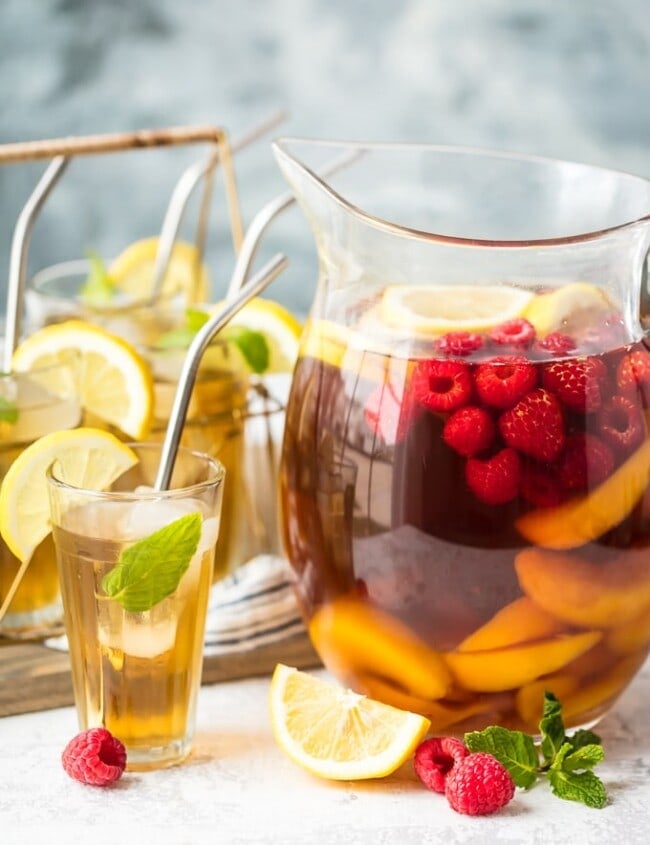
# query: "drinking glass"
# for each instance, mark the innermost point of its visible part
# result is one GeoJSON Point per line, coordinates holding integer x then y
{"type": "Point", "coordinates": [136, 662]}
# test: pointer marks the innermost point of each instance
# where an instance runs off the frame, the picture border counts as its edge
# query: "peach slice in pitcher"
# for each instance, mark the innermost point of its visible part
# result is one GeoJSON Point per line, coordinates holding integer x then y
{"type": "Point", "coordinates": [586, 594]}
{"type": "Point", "coordinates": [518, 622]}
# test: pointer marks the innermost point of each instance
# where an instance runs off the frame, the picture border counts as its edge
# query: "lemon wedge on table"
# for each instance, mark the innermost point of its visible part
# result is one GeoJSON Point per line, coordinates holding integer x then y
{"type": "Point", "coordinates": [279, 327]}
{"type": "Point", "coordinates": [433, 310]}
{"type": "Point", "coordinates": [87, 457]}
{"type": "Point", "coordinates": [115, 381]}
{"type": "Point", "coordinates": [132, 272]}
{"type": "Point", "coordinates": [337, 734]}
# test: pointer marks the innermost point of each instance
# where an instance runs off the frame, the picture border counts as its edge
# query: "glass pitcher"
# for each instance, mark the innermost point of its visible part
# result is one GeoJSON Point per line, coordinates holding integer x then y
{"type": "Point", "coordinates": [465, 469]}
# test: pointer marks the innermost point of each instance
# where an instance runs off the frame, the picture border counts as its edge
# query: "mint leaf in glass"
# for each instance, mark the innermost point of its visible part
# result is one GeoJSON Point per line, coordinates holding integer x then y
{"type": "Point", "coordinates": [98, 289]}
{"type": "Point", "coordinates": [513, 749]}
{"type": "Point", "coordinates": [8, 411]}
{"type": "Point", "coordinates": [251, 344]}
{"type": "Point", "coordinates": [151, 569]}
{"type": "Point", "coordinates": [584, 787]}
{"type": "Point", "coordinates": [551, 728]}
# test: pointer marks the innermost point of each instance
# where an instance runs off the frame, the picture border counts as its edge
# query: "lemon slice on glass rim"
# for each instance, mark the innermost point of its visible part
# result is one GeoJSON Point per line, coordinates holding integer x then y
{"type": "Point", "coordinates": [88, 458]}
{"type": "Point", "coordinates": [132, 272]}
{"type": "Point", "coordinates": [337, 734]}
{"type": "Point", "coordinates": [434, 310]}
{"type": "Point", "coordinates": [115, 381]}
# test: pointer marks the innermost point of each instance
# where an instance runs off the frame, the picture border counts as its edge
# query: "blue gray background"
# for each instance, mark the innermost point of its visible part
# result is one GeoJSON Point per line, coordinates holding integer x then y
{"type": "Point", "coordinates": [566, 79]}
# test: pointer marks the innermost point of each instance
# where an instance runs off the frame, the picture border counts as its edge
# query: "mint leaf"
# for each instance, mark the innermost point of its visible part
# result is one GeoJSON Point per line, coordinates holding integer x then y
{"type": "Point", "coordinates": [175, 339]}
{"type": "Point", "coordinates": [8, 410]}
{"type": "Point", "coordinates": [98, 289]}
{"type": "Point", "coordinates": [251, 344]}
{"type": "Point", "coordinates": [581, 738]}
{"type": "Point", "coordinates": [513, 749]}
{"type": "Point", "coordinates": [566, 783]}
{"type": "Point", "coordinates": [584, 758]}
{"type": "Point", "coordinates": [551, 728]}
{"type": "Point", "coordinates": [195, 319]}
{"type": "Point", "coordinates": [151, 569]}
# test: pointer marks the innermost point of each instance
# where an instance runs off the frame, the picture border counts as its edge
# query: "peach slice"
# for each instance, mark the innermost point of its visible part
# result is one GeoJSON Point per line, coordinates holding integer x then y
{"type": "Point", "coordinates": [518, 622]}
{"type": "Point", "coordinates": [355, 637]}
{"type": "Point", "coordinates": [587, 594]}
{"type": "Point", "coordinates": [440, 713]}
{"type": "Point", "coordinates": [631, 637]}
{"type": "Point", "coordinates": [587, 517]}
{"type": "Point", "coordinates": [508, 668]}
{"type": "Point", "coordinates": [601, 691]}
{"type": "Point", "coordinates": [530, 698]}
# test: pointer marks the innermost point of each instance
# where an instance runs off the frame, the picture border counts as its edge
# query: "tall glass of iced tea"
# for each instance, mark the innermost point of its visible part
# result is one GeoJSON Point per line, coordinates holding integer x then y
{"type": "Point", "coordinates": [467, 454]}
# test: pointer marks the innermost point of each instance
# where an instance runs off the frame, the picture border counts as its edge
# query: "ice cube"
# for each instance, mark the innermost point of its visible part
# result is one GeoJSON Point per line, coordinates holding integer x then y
{"type": "Point", "coordinates": [145, 634]}
{"type": "Point", "coordinates": [149, 515]}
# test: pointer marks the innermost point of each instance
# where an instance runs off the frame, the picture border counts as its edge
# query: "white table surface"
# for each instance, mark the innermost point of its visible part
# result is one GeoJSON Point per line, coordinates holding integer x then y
{"type": "Point", "coordinates": [238, 787]}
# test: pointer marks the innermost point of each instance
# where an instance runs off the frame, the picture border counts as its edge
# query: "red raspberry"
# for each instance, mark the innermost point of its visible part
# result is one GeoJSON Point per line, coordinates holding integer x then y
{"type": "Point", "coordinates": [517, 332]}
{"type": "Point", "coordinates": [386, 414]}
{"type": "Point", "coordinates": [534, 426]}
{"type": "Point", "coordinates": [495, 480]}
{"type": "Point", "coordinates": [459, 343]}
{"type": "Point", "coordinates": [620, 424]}
{"type": "Point", "coordinates": [633, 371]}
{"type": "Point", "coordinates": [435, 758]}
{"type": "Point", "coordinates": [503, 381]}
{"type": "Point", "coordinates": [557, 343]}
{"type": "Point", "coordinates": [579, 384]}
{"type": "Point", "coordinates": [94, 757]}
{"type": "Point", "coordinates": [586, 461]}
{"type": "Point", "coordinates": [442, 385]}
{"type": "Point", "coordinates": [540, 485]}
{"type": "Point", "coordinates": [469, 430]}
{"type": "Point", "coordinates": [479, 785]}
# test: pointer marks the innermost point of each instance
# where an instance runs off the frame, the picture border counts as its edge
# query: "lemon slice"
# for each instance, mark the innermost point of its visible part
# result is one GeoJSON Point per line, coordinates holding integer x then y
{"type": "Point", "coordinates": [337, 734]}
{"type": "Point", "coordinates": [88, 458]}
{"type": "Point", "coordinates": [278, 325]}
{"type": "Point", "coordinates": [576, 303]}
{"type": "Point", "coordinates": [115, 381]}
{"type": "Point", "coordinates": [132, 272]}
{"type": "Point", "coordinates": [437, 309]}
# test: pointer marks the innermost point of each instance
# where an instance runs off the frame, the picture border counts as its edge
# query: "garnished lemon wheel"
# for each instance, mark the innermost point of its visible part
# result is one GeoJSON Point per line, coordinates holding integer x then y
{"type": "Point", "coordinates": [437, 309]}
{"type": "Point", "coordinates": [115, 381]}
{"type": "Point", "coordinates": [337, 734]}
{"type": "Point", "coordinates": [132, 272]}
{"type": "Point", "coordinates": [87, 458]}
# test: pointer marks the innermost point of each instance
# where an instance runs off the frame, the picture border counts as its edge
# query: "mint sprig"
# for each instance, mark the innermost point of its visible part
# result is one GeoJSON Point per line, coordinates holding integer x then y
{"type": "Point", "coordinates": [566, 761]}
{"type": "Point", "coordinates": [8, 411]}
{"type": "Point", "coordinates": [252, 345]}
{"type": "Point", "coordinates": [98, 289]}
{"type": "Point", "coordinates": [151, 569]}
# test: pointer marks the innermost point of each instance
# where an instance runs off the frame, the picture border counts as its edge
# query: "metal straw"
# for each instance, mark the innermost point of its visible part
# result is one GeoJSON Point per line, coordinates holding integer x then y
{"type": "Point", "coordinates": [193, 359]}
{"type": "Point", "coordinates": [265, 217]}
{"type": "Point", "coordinates": [18, 257]}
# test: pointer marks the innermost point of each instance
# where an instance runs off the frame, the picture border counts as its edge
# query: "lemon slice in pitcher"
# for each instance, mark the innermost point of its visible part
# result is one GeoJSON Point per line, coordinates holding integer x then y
{"type": "Point", "coordinates": [132, 272]}
{"type": "Point", "coordinates": [88, 457]}
{"type": "Point", "coordinates": [437, 309]}
{"type": "Point", "coordinates": [337, 734]}
{"type": "Point", "coordinates": [115, 381]}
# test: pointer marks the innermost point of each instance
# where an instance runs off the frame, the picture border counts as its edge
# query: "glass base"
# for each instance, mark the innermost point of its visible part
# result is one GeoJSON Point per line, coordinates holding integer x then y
{"type": "Point", "coordinates": [33, 624]}
{"type": "Point", "coordinates": [157, 757]}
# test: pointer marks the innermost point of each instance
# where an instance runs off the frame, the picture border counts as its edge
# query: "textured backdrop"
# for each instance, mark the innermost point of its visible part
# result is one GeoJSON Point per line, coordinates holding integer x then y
{"type": "Point", "coordinates": [542, 76]}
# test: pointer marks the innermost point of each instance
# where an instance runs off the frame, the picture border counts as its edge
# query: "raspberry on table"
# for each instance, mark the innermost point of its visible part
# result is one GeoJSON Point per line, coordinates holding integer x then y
{"type": "Point", "coordinates": [535, 426]}
{"type": "Point", "coordinates": [620, 424]}
{"type": "Point", "coordinates": [435, 758]}
{"type": "Point", "coordinates": [94, 757]}
{"type": "Point", "coordinates": [479, 785]}
{"type": "Point", "coordinates": [586, 460]}
{"type": "Point", "coordinates": [469, 430]}
{"type": "Point", "coordinates": [442, 385]}
{"type": "Point", "coordinates": [459, 343]}
{"type": "Point", "coordinates": [556, 343]}
{"type": "Point", "coordinates": [495, 480]}
{"type": "Point", "coordinates": [516, 332]}
{"type": "Point", "coordinates": [503, 381]}
{"type": "Point", "coordinates": [578, 384]}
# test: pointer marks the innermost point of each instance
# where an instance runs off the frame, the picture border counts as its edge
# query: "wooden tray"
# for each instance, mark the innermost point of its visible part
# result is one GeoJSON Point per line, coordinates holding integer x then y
{"type": "Point", "coordinates": [33, 677]}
